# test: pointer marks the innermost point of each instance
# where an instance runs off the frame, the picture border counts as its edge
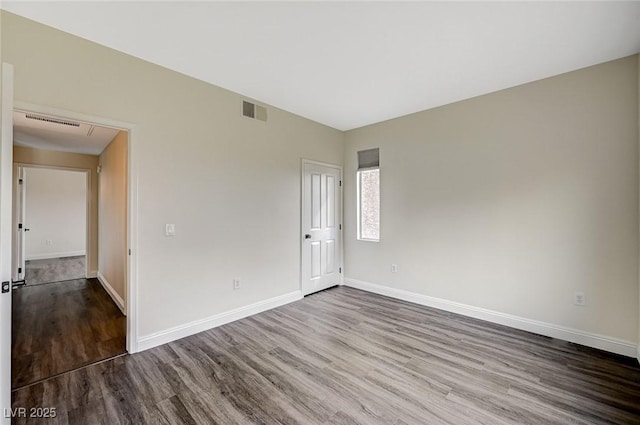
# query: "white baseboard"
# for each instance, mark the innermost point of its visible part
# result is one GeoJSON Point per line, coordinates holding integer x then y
{"type": "Point", "coordinates": [112, 293]}
{"type": "Point", "coordinates": [613, 345]}
{"type": "Point", "coordinates": [48, 255]}
{"type": "Point", "coordinates": [177, 332]}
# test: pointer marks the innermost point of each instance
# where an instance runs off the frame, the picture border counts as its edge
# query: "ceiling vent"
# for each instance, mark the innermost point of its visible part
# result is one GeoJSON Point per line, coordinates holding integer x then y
{"type": "Point", "coordinates": [251, 110]}
{"type": "Point", "coordinates": [51, 120]}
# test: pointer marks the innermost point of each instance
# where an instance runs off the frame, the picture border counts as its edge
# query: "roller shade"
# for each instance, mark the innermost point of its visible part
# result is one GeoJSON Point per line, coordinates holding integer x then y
{"type": "Point", "coordinates": [369, 158]}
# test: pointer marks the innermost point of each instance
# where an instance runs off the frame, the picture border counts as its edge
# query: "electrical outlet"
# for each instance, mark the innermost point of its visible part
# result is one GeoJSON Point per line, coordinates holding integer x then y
{"type": "Point", "coordinates": [579, 298]}
{"type": "Point", "coordinates": [170, 229]}
{"type": "Point", "coordinates": [236, 283]}
{"type": "Point", "coordinates": [394, 268]}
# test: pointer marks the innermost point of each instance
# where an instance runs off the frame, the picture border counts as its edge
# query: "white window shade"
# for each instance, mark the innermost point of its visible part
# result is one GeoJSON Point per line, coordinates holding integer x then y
{"type": "Point", "coordinates": [369, 158]}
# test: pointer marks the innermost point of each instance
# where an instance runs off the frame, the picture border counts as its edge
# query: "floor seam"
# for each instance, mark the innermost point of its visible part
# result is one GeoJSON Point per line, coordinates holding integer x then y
{"type": "Point", "coordinates": [40, 381]}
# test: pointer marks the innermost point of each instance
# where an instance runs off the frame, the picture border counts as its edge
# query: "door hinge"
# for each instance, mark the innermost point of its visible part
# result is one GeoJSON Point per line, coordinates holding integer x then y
{"type": "Point", "coordinates": [340, 226]}
{"type": "Point", "coordinates": [340, 183]}
{"type": "Point", "coordinates": [19, 225]}
{"type": "Point", "coordinates": [19, 269]}
{"type": "Point", "coordinates": [340, 270]}
{"type": "Point", "coordinates": [19, 181]}
{"type": "Point", "coordinates": [129, 251]}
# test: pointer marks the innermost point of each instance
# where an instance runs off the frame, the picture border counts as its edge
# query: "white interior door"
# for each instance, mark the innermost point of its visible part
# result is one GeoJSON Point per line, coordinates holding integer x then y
{"type": "Point", "coordinates": [6, 202]}
{"type": "Point", "coordinates": [321, 226]}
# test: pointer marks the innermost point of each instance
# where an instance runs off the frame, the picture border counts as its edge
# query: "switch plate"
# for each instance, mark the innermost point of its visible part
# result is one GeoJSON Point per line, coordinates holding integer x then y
{"type": "Point", "coordinates": [170, 230]}
{"type": "Point", "coordinates": [394, 268]}
{"type": "Point", "coordinates": [579, 299]}
{"type": "Point", "coordinates": [236, 283]}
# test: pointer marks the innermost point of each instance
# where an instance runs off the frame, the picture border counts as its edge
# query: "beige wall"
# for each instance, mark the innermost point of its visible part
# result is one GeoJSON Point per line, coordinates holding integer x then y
{"type": "Point", "coordinates": [510, 201]}
{"type": "Point", "coordinates": [513, 201]}
{"type": "Point", "coordinates": [112, 213]}
{"type": "Point", "coordinates": [56, 212]}
{"type": "Point", "coordinates": [231, 185]}
{"type": "Point", "coordinates": [24, 155]}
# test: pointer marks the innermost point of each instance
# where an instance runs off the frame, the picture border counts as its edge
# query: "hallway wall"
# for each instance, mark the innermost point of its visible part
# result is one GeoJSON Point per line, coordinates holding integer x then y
{"type": "Point", "coordinates": [112, 211]}
{"type": "Point", "coordinates": [56, 213]}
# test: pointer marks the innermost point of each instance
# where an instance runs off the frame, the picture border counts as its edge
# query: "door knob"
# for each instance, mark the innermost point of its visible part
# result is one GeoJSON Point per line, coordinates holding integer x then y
{"type": "Point", "coordinates": [307, 236]}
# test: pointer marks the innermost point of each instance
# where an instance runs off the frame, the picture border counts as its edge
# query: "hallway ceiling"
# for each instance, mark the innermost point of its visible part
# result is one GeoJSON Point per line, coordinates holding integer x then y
{"type": "Point", "coordinates": [349, 64]}
{"type": "Point", "coordinates": [54, 134]}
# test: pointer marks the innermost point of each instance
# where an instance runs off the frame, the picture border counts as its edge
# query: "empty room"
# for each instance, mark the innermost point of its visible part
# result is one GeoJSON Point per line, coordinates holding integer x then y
{"type": "Point", "coordinates": [323, 212]}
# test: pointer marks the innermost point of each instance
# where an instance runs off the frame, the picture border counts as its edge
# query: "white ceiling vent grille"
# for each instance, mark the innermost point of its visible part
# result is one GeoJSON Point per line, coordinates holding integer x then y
{"type": "Point", "coordinates": [52, 120]}
{"type": "Point", "coordinates": [251, 110]}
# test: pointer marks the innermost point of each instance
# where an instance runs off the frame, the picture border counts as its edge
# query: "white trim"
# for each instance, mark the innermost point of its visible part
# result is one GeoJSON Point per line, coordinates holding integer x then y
{"type": "Point", "coordinates": [131, 276]}
{"type": "Point", "coordinates": [112, 293]}
{"type": "Point", "coordinates": [603, 342]}
{"type": "Point", "coordinates": [177, 332]}
{"type": "Point", "coordinates": [324, 164]}
{"type": "Point", "coordinates": [132, 205]}
{"type": "Point", "coordinates": [49, 255]}
{"type": "Point", "coordinates": [638, 353]}
{"type": "Point", "coordinates": [6, 181]}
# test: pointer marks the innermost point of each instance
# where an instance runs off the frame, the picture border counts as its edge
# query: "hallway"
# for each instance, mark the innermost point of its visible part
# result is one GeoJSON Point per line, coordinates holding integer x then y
{"type": "Point", "coordinates": [61, 326]}
{"type": "Point", "coordinates": [51, 270]}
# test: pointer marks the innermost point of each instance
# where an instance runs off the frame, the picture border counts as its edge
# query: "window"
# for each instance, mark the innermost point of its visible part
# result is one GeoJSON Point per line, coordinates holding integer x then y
{"type": "Point", "coordinates": [368, 177]}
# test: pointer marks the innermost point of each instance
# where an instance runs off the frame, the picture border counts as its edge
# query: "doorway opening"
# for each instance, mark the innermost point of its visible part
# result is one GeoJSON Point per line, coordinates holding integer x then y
{"type": "Point", "coordinates": [70, 245]}
{"type": "Point", "coordinates": [50, 214]}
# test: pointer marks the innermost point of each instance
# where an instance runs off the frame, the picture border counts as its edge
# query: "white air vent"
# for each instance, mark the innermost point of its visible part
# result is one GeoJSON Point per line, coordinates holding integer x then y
{"type": "Point", "coordinates": [51, 120]}
{"type": "Point", "coordinates": [251, 110]}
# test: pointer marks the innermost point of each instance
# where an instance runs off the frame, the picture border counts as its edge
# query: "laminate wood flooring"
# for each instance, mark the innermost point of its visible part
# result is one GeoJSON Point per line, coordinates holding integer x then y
{"type": "Point", "coordinates": [61, 326]}
{"type": "Point", "coordinates": [343, 356]}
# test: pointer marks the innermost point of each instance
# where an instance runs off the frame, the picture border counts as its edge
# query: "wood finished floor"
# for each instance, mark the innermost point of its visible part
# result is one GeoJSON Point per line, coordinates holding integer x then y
{"type": "Point", "coordinates": [61, 326]}
{"type": "Point", "coordinates": [344, 356]}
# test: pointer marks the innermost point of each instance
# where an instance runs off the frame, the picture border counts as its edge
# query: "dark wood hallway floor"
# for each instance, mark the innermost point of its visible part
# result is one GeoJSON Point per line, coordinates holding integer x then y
{"type": "Point", "coordinates": [344, 356]}
{"type": "Point", "coordinates": [61, 326]}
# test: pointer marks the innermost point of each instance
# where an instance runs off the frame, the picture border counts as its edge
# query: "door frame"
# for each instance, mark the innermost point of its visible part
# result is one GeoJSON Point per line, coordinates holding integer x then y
{"type": "Point", "coordinates": [131, 275]}
{"type": "Point", "coordinates": [304, 162]}
{"type": "Point", "coordinates": [88, 221]}
{"type": "Point", "coordinates": [6, 181]}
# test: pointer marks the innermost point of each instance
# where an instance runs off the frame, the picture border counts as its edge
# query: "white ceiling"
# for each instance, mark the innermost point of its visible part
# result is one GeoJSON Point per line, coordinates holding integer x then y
{"type": "Point", "coordinates": [349, 64]}
{"type": "Point", "coordinates": [74, 136]}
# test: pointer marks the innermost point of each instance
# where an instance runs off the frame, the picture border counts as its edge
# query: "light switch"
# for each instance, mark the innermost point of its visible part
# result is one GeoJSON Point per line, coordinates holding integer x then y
{"type": "Point", "coordinates": [170, 230]}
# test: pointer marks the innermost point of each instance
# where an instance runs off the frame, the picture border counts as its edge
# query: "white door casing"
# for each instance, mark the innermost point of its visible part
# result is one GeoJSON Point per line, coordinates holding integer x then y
{"type": "Point", "coordinates": [19, 190]}
{"type": "Point", "coordinates": [131, 283]}
{"type": "Point", "coordinates": [321, 226]}
{"type": "Point", "coordinates": [6, 205]}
